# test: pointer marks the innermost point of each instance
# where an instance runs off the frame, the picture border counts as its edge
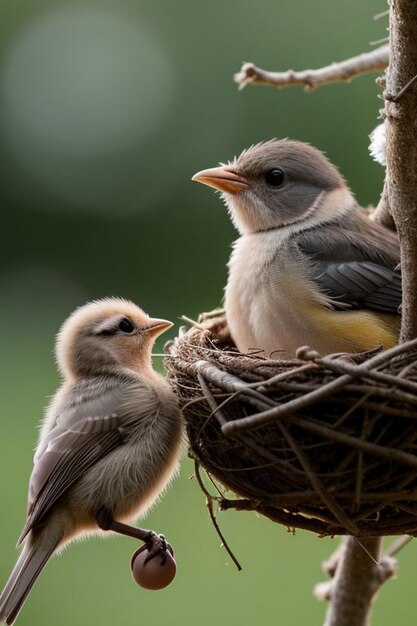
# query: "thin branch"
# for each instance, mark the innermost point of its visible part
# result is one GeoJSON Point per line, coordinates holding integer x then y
{"type": "Point", "coordinates": [362, 371]}
{"type": "Point", "coordinates": [344, 71]}
{"type": "Point", "coordinates": [403, 90]}
{"type": "Point", "coordinates": [378, 42]}
{"type": "Point", "coordinates": [210, 508]}
{"type": "Point", "coordinates": [398, 545]}
{"type": "Point", "coordinates": [378, 16]}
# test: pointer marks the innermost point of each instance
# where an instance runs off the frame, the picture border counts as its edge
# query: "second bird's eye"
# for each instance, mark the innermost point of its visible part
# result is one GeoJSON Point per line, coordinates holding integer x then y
{"type": "Point", "coordinates": [126, 326]}
{"type": "Point", "coordinates": [275, 177]}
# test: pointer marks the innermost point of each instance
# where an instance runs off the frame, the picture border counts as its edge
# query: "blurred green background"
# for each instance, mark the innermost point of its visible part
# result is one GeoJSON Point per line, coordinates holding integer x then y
{"type": "Point", "coordinates": [107, 108]}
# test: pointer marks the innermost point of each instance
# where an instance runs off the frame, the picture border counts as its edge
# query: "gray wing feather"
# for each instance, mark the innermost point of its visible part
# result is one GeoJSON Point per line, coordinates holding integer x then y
{"type": "Point", "coordinates": [354, 261]}
{"type": "Point", "coordinates": [360, 284]}
{"type": "Point", "coordinates": [85, 432]}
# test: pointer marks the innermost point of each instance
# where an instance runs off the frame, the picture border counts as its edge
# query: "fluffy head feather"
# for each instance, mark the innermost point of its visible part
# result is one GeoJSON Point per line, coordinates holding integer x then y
{"type": "Point", "coordinates": [277, 183]}
{"type": "Point", "coordinates": [92, 341]}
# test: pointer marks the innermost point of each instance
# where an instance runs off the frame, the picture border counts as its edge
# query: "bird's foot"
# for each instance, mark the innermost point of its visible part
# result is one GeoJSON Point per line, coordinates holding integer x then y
{"type": "Point", "coordinates": [155, 544]}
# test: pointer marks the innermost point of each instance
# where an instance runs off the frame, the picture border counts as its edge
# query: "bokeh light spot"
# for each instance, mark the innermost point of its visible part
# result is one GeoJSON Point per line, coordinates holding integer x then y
{"type": "Point", "coordinates": [82, 87]}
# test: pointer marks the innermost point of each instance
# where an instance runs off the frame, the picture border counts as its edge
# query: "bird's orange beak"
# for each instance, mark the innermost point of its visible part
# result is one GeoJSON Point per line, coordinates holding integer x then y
{"type": "Point", "coordinates": [157, 327]}
{"type": "Point", "coordinates": [223, 178]}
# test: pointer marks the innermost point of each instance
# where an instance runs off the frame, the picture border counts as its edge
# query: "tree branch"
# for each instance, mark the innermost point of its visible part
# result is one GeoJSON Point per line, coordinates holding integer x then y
{"type": "Point", "coordinates": [401, 149]}
{"type": "Point", "coordinates": [373, 61]}
{"type": "Point", "coordinates": [359, 572]}
{"type": "Point", "coordinates": [358, 578]}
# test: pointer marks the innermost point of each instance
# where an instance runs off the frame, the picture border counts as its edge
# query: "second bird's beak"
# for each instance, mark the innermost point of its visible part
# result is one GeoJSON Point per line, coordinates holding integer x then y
{"type": "Point", "coordinates": [223, 178]}
{"type": "Point", "coordinates": [157, 327]}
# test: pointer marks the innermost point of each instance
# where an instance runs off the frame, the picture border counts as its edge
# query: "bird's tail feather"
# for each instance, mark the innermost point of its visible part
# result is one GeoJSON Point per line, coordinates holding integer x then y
{"type": "Point", "coordinates": [31, 562]}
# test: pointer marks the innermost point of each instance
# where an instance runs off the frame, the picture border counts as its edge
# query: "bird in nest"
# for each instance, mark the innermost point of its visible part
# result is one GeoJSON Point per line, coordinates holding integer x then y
{"type": "Point", "coordinates": [310, 267]}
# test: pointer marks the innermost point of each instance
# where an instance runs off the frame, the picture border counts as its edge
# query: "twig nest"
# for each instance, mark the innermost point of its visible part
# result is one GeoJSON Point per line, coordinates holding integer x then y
{"type": "Point", "coordinates": [326, 444]}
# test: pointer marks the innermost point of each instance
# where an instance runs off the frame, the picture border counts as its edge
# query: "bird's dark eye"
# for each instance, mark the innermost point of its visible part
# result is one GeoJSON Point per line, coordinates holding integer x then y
{"type": "Point", "coordinates": [275, 177]}
{"type": "Point", "coordinates": [126, 326]}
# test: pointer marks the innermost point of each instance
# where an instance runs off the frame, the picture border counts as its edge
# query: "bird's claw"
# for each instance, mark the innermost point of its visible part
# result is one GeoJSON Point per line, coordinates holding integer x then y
{"type": "Point", "coordinates": [157, 546]}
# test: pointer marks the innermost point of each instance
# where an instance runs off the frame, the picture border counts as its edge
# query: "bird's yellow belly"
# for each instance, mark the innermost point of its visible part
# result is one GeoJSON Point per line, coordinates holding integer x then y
{"type": "Point", "coordinates": [358, 331]}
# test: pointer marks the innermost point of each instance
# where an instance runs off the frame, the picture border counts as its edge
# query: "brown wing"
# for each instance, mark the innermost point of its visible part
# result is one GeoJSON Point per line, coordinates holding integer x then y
{"type": "Point", "coordinates": [85, 432]}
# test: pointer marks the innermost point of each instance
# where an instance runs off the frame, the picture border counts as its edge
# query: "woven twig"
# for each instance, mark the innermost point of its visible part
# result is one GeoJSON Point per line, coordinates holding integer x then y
{"type": "Point", "coordinates": [327, 444]}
